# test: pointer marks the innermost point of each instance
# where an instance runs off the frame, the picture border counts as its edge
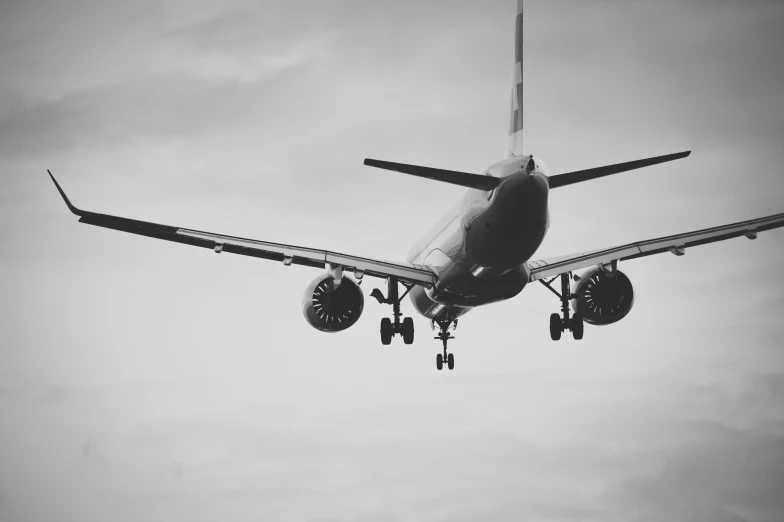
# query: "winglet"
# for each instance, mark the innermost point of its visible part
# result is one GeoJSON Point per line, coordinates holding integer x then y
{"type": "Point", "coordinates": [65, 198]}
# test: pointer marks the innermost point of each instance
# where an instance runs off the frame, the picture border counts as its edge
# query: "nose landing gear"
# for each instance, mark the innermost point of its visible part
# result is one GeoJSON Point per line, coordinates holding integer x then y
{"type": "Point", "coordinates": [444, 336]}
{"type": "Point", "coordinates": [390, 327]}
{"type": "Point", "coordinates": [561, 323]}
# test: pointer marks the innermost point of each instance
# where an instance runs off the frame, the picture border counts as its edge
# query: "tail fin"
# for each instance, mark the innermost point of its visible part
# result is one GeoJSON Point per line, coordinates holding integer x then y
{"type": "Point", "coordinates": [516, 111]}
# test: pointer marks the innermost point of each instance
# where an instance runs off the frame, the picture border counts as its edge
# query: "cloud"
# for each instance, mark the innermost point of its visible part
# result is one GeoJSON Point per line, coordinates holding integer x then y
{"type": "Point", "coordinates": [693, 467]}
{"type": "Point", "coordinates": [296, 423]}
{"type": "Point", "coordinates": [90, 453]}
{"type": "Point", "coordinates": [246, 29]}
{"type": "Point", "coordinates": [144, 85]}
{"type": "Point", "coordinates": [629, 449]}
{"type": "Point", "coordinates": [736, 480]}
{"type": "Point", "coordinates": [166, 107]}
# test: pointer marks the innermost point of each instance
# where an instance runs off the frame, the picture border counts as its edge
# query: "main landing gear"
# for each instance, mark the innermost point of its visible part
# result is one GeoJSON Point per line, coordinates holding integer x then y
{"type": "Point", "coordinates": [444, 335]}
{"type": "Point", "coordinates": [390, 327]}
{"type": "Point", "coordinates": [561, 323]}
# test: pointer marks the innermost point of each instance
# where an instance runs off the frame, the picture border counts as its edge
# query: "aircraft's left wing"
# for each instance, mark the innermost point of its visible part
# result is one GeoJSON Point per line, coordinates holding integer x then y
{"type": "Point", "coordinates": [288, 254]}
{"type": "Point", "coordinates": [676, 244]}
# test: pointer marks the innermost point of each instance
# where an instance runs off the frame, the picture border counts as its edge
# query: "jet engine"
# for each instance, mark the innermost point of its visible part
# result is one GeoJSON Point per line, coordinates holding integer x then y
{"type": "Point", "coordinates": [602, 298]}
{"type": "Point", "coordinates": [332, 307]}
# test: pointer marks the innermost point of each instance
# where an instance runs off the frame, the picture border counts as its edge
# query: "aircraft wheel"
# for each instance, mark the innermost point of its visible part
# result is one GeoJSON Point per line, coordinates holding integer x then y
{"type": "Point", "coordinates": [408, 330]}
{"type": "Point", "coordinates": [578, 326]}
{"type": "Point", "coordinates": [450, 361]}
{"type": "Point", "coordinates": [386, 331]}
{"type": "Point", "coordinates": [439, 361]}
{"type": "Point", "coordinates": [555, 327]}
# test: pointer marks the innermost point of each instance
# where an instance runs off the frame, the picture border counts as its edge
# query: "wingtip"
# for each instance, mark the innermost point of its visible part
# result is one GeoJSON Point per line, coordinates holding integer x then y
{"type": "Point", "coordinates": [70, 205]}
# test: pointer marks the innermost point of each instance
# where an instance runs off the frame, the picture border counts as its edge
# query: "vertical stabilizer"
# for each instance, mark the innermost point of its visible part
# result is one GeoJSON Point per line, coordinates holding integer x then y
{"type": "Point", "coordinates": [516, 111]}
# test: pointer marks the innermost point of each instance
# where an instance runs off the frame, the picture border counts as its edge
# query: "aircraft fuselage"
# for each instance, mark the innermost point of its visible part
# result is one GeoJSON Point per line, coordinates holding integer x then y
{"type": "Point", "coordinates": [480, 247]}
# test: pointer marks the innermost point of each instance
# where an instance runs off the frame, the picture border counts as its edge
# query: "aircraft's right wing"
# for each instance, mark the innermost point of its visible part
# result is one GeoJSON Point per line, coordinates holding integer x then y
{"type": "Point", "coordinates": [676, 244]}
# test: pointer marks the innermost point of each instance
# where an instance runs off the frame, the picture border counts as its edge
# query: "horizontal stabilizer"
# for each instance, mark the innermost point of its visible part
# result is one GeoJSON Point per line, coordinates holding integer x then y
{"type": "Point", "coordinates": [476, 181]}
{"type": "Point", "coordinates": [569, 178]}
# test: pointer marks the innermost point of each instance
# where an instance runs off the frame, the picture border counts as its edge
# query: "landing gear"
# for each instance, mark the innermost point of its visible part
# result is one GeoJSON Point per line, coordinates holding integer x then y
{"type": "Point", "coordinates": [577, 326]}
{"type": "Point", "coordinates": [408, 330]}
{"type": "Point", "coordinates": [561, 322]}
{"type": "Point", "coordinates": [444, 335]}
{"type": "Point", "coordinates": [390, 327]}
{"type": "Point", "coordinates": [387, 331]}
{"type": "Point", "coordinates": [555, 327]}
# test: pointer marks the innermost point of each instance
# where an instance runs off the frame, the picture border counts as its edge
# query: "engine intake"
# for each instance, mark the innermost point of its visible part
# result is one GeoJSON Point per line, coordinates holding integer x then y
{"type": "Point", "coordinates": [331, 308]}
{"type": "Point", "coordinates": [603, 299]}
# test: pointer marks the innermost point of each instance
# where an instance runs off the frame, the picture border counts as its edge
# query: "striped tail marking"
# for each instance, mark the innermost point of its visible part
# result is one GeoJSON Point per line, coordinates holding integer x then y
{"type": "Point", "coordinates": [516, 112]}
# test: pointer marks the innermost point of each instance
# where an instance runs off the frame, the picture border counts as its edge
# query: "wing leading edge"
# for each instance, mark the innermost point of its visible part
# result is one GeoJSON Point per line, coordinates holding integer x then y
{"type": "Point", "coordinates": [676, 244]}
{"type": "Point", "coordinates": [288, 254]}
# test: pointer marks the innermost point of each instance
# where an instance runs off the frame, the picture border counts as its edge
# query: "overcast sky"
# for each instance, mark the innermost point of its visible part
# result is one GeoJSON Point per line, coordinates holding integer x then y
{"type": "Point", "coordinates": [145, 380]}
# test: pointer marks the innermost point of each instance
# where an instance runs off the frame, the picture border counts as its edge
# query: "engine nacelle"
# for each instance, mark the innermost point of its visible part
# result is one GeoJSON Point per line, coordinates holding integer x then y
{"type": "Point", "coordinates": [601, 298]}
{"type": "Point", "coordinates": [331, 308]}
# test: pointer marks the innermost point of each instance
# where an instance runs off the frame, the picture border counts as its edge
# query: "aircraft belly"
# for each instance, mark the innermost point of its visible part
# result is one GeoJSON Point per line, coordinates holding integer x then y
{"type": "Point", "coordinates": [425, 306]}
{"type": "Point", "coordinates": [458, 288]}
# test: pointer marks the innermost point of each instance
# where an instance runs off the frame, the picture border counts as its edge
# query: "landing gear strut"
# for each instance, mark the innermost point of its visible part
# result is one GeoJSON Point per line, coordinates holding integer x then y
{"type": "Point", "coordinates": [561, 323]}
{"type": "Point", "coordinates": [390, 327]}
{"type": "Point", "coordinates": [444, 335]}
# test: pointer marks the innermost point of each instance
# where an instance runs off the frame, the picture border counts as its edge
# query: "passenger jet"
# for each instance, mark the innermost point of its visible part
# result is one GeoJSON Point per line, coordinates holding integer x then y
{"type": "Point", "coordinates": [481, 252]}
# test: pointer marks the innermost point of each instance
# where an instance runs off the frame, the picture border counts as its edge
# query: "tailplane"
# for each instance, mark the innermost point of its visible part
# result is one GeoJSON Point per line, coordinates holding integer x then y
{"type": "Point", "coordinates": [569, 178]}
{"type": "Point", "coordinates": [465, 179]}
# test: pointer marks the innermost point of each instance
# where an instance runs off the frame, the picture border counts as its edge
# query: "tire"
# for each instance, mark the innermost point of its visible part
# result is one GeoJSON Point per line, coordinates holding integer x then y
{"type": "Point", "coordinates": [555, 327]}
{"type": "Point", "coordinates": [386, 331]}
{"type": "Point", "coordinates": [408, 330]}
{"type": "Point", "coordinates": [439, 361]}
{"type": "Point", "coordinates": [450, 361]}
{"type": "Point", "coordinates": [578, 326]}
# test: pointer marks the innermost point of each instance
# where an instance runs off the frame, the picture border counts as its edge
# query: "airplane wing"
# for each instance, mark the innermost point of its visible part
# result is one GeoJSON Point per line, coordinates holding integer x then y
{"type": "Point", "coordinates": [288, 254]}
{"type": "Point", "coordinates": [676, 244]}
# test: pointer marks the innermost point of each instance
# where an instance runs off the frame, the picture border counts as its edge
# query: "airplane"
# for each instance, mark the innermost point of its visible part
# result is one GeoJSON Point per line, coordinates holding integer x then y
{"type": "Point", "coordinates": [480, 252]}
